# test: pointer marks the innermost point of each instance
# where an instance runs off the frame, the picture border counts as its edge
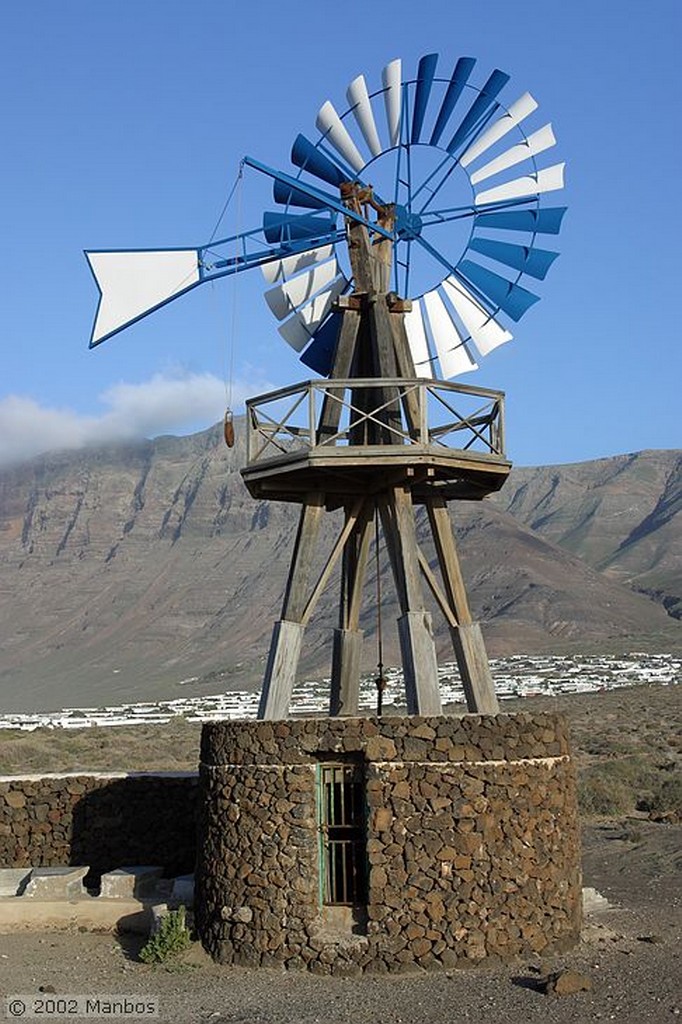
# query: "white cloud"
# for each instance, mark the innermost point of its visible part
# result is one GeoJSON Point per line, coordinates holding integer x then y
{"type": "Point", "coordinates": [163, 404]}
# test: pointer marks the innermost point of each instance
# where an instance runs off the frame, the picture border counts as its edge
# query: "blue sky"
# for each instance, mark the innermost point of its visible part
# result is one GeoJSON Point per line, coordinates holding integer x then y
{"type": "Point", "coordinates": [123, 123]}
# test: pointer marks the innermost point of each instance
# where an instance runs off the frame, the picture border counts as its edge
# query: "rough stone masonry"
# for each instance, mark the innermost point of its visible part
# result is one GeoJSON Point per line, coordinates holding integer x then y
{"type": "Point", "coordinates": [471, 842]}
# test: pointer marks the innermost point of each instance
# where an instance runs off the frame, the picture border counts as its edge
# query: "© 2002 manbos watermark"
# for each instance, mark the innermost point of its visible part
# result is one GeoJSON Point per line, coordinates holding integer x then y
{"type": "Point", "coordinates": [56, 1007]}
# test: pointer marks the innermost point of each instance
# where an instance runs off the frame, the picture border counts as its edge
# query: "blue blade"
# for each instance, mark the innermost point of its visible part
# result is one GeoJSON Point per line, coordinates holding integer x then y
{"type": "Point", "coordinates": [319, 355]}
{"type": "Point", "coordinates": [460, 76]}
{"type": "Point", "coordinates": [535, 262]}
{"type": "Point", "coordinates": [542, 222]}
{"type": "Point", "coordinates": [279, 227]}
{"type": "Point", "coordinates": [425, 76]}
{"type": "Point", "coordinates": [478, 108]}
{"type": "Point", "coordinates": [289, 196]}
{"type": "Point", "coordinates": [512, 299]}
{"type": "Point", "coordinates": [309, 158]}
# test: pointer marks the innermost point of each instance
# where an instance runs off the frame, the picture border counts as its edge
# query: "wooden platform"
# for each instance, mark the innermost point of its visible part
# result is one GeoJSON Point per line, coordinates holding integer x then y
{"type": "Point", "coordinates": [437, 438]}
{"type": "Point", "coordinates": [347, 472]}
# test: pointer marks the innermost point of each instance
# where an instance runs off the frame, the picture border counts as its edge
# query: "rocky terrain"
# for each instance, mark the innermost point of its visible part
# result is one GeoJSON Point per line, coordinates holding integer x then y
{"type": "Point", "coordinates": [618, 514]}
{"type": "Point", "coordinates": [126, 569]}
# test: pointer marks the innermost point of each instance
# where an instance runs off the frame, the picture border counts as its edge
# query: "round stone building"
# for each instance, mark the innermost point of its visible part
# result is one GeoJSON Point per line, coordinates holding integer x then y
{"type": "Point", "coordinates": [380, 844]}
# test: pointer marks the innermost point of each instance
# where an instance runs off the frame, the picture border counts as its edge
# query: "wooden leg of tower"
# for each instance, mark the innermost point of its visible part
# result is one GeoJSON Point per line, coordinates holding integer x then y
{"type": "Point", "coordinates": [280, 671]}
{"type": "Point", "coordinates": [472, 661]}
{"type": "Point", "coordinates": [287, 637]}
{"type": "Point", "coordinates": [420, 666]}
{"type": "Point", "coordinates": [467, 639]}
{"type": "Point", "coordinates": [346, 653]}
{"type": "Point", "coordinates": [347, 648]}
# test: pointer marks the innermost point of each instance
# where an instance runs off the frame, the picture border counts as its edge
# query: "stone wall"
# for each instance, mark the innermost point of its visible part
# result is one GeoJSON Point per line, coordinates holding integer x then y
{"type": "Point", "coordinates": [104, 821]}
{"type": "Point", "coordinates": [472, 842]}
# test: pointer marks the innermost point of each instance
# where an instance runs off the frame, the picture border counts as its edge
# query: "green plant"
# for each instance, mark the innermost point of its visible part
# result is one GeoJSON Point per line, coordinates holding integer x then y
{"type": "Point", "coordinates": [170, 940]}
{"type": "Point", "coordinates": [615, 787]}
{"type": "Point", "coordinates": [667, 797]}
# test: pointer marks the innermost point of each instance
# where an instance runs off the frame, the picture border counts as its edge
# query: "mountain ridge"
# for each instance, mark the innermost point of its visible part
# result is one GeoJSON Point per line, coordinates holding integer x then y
{"type": "Point", "coordinates": [128, 568]}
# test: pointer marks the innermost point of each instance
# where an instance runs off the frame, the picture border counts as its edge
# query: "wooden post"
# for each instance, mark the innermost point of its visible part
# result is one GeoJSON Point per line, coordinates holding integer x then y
{"type": "Point", "coordinates": [418, 649]}
{"type": "Point", "coordinates": [280, 671]}
{"type": "Point", "coordinates": [345, 686]}
{"type": "Point", "coordinates": [467, 640]}
{"type": "Point", "coordinates": [285, 647]}
{"type": "Point", "coordinates": [347, 649]}
{"type": "Point", "coordinates": [343, 361]}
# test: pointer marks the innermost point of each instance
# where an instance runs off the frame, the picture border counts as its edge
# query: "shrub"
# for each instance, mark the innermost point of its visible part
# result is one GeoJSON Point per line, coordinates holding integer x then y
{"type": "Point", "coordinates": [614, 788]}
{"type": "Point", "coordinates": [667, 797]}
{"type": "Point", "coordinates": [172, 938]}
{"type": "Point", "coordinates": [603, 797]}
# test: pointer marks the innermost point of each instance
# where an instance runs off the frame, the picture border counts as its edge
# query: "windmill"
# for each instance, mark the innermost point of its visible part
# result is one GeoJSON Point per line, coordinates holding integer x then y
{"type": "Point", "coordinates": [393, 260]}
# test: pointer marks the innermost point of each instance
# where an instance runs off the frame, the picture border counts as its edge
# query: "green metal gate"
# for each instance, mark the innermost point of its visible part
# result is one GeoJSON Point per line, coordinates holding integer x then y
{"type": "Point", "coordinates": [342, 834]}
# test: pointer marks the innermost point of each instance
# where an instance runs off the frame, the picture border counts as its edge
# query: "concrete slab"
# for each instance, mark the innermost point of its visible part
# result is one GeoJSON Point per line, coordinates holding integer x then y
{"type": "Point", "coordinates": [98, 914]}
{"type": "Point", "coordinates": [12, 880]}
{"type": "Point", "coordinates": [594, 902]}
{"type": "Point", "coordinates": [133, 882]}
{"type": "Point", "coordinates": [183, 890]}
{"type": "Point", "coordinates": [157, 914]}
{"type": "Point", "coordinates": [56, 883]}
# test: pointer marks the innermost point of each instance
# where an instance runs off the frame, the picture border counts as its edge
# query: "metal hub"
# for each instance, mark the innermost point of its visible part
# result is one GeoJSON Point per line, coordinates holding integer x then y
{"type": "Point", "coordinates": [407, 224]}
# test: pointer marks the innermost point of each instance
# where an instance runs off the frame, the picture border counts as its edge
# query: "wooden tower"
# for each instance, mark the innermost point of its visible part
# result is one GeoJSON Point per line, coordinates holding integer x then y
{"type": "Point", "coordinates": [384, 459]}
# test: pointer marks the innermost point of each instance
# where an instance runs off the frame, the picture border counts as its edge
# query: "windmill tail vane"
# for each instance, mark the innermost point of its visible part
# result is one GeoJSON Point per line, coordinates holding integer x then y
{"type": "Point", "coordinates": [466, 217]}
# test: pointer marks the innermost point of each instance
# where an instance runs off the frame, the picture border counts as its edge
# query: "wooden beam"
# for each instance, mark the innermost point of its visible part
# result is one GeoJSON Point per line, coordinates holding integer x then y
{"type": "Point", "coordinates": [356, 579]}
{"type": "Point", "coordinates": [345, 684]}
{"type": "Point", "coordinates": [343, 360]}
{"type": "Point", "coordinates": [439, 517]}
{"type": "Point", "coordinates": [347, 643]}
{"type": "Point", "coordinates": [420, 666]}
{"type": "Point", "coordinates": [295, 595]}
{"type": "Point", "coordinates": [467, 639]}
{"type": "Point", "coordinates": [405, 365]}
{"type": "Point", "coordinates": [280, 671]}
{"type": "Point", "coordinates": [435, 589]}
{"type": "Point", "coordinates": [349, 526]}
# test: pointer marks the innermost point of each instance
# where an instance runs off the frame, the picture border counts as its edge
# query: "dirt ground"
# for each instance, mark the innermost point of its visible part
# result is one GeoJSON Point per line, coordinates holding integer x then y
{"type": "Point", "coordinates": [630, 952]}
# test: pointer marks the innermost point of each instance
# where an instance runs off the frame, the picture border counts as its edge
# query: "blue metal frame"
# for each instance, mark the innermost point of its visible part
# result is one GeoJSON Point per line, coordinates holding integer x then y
{"type": "Point", "coordinates": [224, 267]}
{"type": "Point", "coordinates": [481, 110]}
{"type": "Point", "coordinates": [298, 233]}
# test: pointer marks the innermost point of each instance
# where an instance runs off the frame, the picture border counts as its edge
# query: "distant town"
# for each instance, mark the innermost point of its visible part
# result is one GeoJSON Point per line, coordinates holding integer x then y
{"type": "Point", "coordinates": [517, 676]}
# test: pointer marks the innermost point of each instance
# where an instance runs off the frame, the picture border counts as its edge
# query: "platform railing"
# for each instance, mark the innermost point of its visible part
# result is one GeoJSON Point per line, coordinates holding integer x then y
{"type": "Point", "coordinates": [314, 416]}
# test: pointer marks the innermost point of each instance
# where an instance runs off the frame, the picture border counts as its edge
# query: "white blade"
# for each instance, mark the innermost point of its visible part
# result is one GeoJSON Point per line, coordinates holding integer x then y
{"type": "Point", "coordinates": [416, 339]}
{"type": "Point", "coordinates": [518, 111]}
{"type": "Point", "coordinates": [391, 78]}
{"type": "Point", "coordinates": [282, 269]}
{"type": "Point", "coordinates": [549, 180]}
{"type": "Point", "coordinates": [134, 283]}
{"type": "Point", "coordinates": [284, 298]}
{"type": "Point", "coordinates": [358, 99]}
{"type": "Point", "coordinates": [485, 332]}
{"type": "Point", "coordinates": [330, 125]}
{"type": "Point", "coordinates": [536, 143]}
{"type": "Point", "coordinates": [298, 330]}
{"type": "Point", "coordinates": [452, 354]}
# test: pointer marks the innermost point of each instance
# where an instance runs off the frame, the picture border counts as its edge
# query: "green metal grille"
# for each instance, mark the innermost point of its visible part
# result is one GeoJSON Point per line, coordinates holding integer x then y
{"type": "Point", "coordinates": [342, 835]}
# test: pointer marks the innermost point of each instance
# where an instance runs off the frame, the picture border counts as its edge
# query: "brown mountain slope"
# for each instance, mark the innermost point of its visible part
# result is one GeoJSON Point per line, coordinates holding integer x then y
{"type": "Point", "coordinates": [126, 569]}
{"type": "Point", "coordinates": [620, 514]}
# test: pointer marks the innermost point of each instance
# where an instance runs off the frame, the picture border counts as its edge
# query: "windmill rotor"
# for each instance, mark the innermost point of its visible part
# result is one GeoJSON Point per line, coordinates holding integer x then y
{"type": "Point", "coordinates": [465, 172]}
{"type": "Point", "coordinates": [420, 141]}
